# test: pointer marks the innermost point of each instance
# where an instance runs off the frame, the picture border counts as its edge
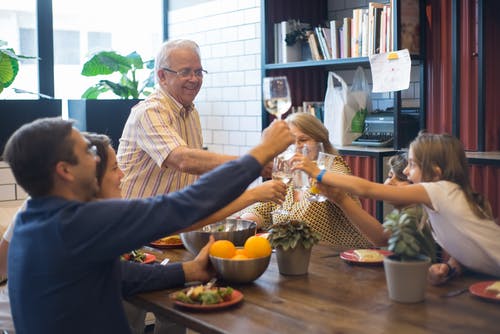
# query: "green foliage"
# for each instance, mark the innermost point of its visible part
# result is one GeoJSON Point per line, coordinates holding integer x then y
{"type": "Point", "coordinates": [288, 235]}
{"type": "Point", "coordinates": [298, 32]}
{"type": "Point", "coordinates": [409, 239]}
{"type": "Point", "coordinates": [109, 62]}
{"type": "Point", "coordinates": [9, 65]}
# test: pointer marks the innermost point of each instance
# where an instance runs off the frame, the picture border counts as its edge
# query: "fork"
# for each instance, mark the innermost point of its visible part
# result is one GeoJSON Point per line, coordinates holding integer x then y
{"type": "Point", "coordinates": [164, 262]}
{"type": "Point", "coordinates": [454, 293]}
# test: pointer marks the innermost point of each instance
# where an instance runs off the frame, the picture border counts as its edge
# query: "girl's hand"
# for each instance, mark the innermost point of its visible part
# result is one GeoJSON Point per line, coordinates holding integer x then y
{"type": "Point", "coordinates": [333, 194]}
{"type": "Point", "coordinates": [440, 273]}
{"type": "Point", "coordinates": [301, 162]}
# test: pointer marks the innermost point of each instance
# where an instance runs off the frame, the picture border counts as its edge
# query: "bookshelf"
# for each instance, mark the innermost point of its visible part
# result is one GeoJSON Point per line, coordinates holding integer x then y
{"type": "Point", "coordinates": [308, 78]}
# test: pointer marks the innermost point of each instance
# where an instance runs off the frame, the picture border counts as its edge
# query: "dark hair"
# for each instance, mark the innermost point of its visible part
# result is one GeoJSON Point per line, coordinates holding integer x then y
{"type": "Point", "coordinates": [33, 151]}
{"type": "Point", "coordinates": [397, 163]}
{"type": "Point", "coordinates": [102, 143]}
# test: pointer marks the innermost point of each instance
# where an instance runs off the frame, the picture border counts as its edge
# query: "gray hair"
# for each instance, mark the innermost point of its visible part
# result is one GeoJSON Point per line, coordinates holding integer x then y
{"type": "Point", "coordinates": [163, 56]}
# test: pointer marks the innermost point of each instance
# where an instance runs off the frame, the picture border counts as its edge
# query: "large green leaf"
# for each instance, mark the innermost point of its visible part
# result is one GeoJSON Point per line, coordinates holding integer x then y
{"type": "Point", "coordinates": [9, 67]}
{"type": "Point", "coordinates": [106, 62]}
{"type": "Point", "coordinates": [135, 60]}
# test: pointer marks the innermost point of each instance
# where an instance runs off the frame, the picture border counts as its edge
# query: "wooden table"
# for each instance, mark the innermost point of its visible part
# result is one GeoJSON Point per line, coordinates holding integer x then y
{"type": "Point", "coordinates": [335, 297]}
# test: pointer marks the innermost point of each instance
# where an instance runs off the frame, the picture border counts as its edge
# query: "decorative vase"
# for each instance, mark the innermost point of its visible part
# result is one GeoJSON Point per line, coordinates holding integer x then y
{"type": "Point", "coordinates": [406, 280]}
{"type": "Point", "coordinates": [293, 261]}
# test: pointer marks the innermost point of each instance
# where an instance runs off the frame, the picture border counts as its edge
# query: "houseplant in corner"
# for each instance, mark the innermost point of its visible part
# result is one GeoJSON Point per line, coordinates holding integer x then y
{"type": "Point", "coordinates": [16, 112]}
{"type": "Point", "coordinates": [109, 115]}
{"type": "Point", "coordinates": [414, 249]}
{"type": "Point", "coordinates": [293, 241]}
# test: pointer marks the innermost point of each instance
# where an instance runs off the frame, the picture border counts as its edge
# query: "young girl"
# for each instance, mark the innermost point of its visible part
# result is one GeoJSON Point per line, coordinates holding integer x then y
{"type": "Point", "coordinates": [362, 220]}
{"type": "Point", "coordinates": [461, 220]}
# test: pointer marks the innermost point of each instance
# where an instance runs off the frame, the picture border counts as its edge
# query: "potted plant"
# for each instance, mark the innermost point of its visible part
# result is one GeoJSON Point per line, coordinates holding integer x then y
{"type": "Point", "coordinates": [16, 112]}
{"type": "Point", "coordinates": [413, 250]}
{"type": "Point", "coordinates": [293, 241]}
{"type": "Point", "coordinates": [109, 115]}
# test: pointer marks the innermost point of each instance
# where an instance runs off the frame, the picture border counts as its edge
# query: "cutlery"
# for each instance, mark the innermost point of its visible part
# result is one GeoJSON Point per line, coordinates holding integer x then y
{"type": "Point", "coordinates": [164, 262]}
{"type": "Point", "coordinates": [454, 293]}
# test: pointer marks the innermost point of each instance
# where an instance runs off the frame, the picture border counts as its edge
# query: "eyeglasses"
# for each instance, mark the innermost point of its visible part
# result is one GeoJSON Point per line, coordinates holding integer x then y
{"type": "Point", "coordinates": [92, 150]}
{"type": "Point", "coordinates": [187, 72]}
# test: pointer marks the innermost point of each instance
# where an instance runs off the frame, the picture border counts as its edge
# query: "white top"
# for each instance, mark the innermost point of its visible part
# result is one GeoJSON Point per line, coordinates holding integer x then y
{"type": "Point", "coordinates": [471, 241]}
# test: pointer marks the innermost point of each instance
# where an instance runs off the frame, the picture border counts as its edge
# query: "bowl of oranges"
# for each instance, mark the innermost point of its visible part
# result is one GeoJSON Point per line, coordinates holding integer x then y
{"type": "Point", "coordinates": [234, 230]}
{"type": "Point", "coordinates": [240, 264]}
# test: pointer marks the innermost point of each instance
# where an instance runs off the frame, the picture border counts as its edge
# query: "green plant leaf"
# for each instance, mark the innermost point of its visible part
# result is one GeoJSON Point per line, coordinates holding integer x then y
{"type": "Point", "coordinates": [135, 60]}
{"type": "Point", "coordinates": [94, 91]}
{"type": "Point", "coordinates": [106, 62]}
{"type": "Point", "coordinates": [9, 67]}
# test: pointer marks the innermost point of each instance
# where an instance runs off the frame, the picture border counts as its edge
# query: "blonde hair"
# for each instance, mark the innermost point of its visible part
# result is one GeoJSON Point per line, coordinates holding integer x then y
{"type": "Point", "coordinates": [311, 126]}
{"type": "Point", "coordinates": [443, 151]}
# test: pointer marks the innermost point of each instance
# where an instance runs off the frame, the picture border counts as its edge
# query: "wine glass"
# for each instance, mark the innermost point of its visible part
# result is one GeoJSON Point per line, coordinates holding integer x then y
{"type": "Point", "coordinates": [276, 95]}
{"type": "Point", "coordinates": [312, 152]}
{"type": "Point", "coordinates": [282, 172]}
{"type": "Point", "coordinates": [325, 161]}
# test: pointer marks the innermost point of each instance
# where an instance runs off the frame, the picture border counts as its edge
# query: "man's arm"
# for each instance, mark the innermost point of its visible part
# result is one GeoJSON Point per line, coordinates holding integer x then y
{"type": "Point", "coordinates": [195, 161]}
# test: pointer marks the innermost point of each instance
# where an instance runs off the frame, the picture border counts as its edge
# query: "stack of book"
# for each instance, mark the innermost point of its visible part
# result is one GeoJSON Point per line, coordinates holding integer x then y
{"type": "Point", "coordinates": [368, 31]}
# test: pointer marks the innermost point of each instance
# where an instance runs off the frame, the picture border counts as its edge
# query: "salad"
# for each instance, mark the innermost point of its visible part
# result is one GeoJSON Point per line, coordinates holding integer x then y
{"type": "Point", "coordinates": [204, 295]}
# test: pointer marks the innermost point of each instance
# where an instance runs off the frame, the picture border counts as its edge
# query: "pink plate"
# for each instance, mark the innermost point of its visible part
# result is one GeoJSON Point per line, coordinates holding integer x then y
{"type": "Point", "coordinates": [479, 290]}
{"type": "Point", "coordinates": [150, 258]}
{"type": "Point", "coordinates": [236, 297]}
{"type": "Point", "coordinates": [350, 256]}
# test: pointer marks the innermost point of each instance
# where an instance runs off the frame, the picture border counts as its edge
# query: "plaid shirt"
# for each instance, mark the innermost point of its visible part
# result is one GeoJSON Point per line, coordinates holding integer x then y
{"type": "Point", "coordinates": [154, 128]}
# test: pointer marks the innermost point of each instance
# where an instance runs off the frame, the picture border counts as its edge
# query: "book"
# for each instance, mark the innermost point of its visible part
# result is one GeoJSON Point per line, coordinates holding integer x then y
{"type": "Point", "coordinates": [335, 26]}
{"type": "Point", "coordinates": [313, 44]}
{"type": "Point", "coordinates": [372, 26]}
{"type": "Point", "coordinates": [346, 38]}
{"type": "Point", "coordinates": [410, 25]}
{"type": "Point", "coordinates": [328, 39]}
{"type": "Point", "coordinates": [320, 37]}
{"type": "Point", "coordinates": [364, 33]}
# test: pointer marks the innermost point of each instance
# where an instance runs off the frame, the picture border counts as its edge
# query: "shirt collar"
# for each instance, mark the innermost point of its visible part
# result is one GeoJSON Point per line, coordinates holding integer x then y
{"type": "Point", "coordinates": [182, 110]}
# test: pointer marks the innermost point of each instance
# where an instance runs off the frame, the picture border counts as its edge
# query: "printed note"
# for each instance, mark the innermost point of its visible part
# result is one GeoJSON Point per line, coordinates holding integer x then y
{"type": "Point", "coordinates": [390, 71]}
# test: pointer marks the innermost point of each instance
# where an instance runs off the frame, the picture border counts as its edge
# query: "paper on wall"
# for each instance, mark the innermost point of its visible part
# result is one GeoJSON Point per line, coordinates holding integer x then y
{"type": "Point", "coordinates": [390, 71]}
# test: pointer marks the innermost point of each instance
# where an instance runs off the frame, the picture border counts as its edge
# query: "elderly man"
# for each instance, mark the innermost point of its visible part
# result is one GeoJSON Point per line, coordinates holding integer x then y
{"type": "Point", "coordinates": [63, 262]}
{"type": "Point", "coordinates": [161, 147]}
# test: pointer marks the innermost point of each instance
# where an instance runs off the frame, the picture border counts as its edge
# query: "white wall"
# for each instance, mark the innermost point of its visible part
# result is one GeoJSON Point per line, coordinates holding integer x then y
{"type": "Point", "coordinates": [228, 32]}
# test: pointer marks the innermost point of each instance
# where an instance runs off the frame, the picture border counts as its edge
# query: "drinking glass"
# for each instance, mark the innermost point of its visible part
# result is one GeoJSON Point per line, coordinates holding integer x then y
{"type": "Point", "coordinates": [312, 152]}
{"type": "Point", "coordinates": [281, 172]}
{"type": "Point", "coordinates": [276, 95]}
{"type": "Point", "coordinates": [324, 161]}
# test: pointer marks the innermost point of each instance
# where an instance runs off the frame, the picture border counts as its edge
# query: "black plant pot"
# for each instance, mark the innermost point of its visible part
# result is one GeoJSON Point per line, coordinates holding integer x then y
{"type": "Point", "coordinates": [14, 113]}
{"type": "Point", "coordinates": [101, 116]}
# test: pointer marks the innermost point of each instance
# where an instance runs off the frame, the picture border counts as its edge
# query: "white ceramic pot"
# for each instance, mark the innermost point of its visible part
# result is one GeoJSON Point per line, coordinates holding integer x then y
{"type": "Point", "coordinates": [406, 280]}
{"type": "Point", "coordinates": [293, 261]}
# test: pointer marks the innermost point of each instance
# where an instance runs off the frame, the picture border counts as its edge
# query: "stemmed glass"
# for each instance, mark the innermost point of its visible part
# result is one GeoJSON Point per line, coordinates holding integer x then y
{"type": "Point", "coordinates": [276, 95]}
{"type": "Point", "coordinates": [312, 152]}
{"type": "Point", "coordinates": [282, 172]}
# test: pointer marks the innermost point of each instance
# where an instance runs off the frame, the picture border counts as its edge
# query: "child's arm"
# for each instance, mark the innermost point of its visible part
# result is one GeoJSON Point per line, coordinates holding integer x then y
{"type": "Point", "coordinates": [362, 220]}
{"type": "Point", "coordinates": [412, 194]}
{"type": "Point", "coordinates": [440, 273]}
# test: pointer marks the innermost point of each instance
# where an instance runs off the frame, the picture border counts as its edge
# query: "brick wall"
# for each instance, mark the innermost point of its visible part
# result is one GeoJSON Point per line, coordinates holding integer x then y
{"type": "Point", "coordinates": [229, 103]}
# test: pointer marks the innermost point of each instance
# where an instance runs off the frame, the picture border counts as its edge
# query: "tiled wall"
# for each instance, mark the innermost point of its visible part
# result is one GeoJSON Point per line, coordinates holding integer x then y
{"type": "Point", "coordinates": [228, 32]}
{"type": "Point", "coordinates": [9, 190]}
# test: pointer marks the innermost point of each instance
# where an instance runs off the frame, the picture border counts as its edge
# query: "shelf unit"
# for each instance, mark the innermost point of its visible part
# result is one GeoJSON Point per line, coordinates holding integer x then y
{"type": "Point", "coordinates": [308, 78]}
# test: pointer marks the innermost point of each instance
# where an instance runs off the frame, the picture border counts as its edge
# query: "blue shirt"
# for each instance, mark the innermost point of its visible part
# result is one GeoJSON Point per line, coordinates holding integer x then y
{"type": "Point", "coordinates": [63, 263]}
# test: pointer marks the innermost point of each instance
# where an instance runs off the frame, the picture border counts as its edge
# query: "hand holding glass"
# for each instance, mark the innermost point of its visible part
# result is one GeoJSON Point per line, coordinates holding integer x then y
{"type": "Point", "coordinates": [281, 172]}
{"type": "Point", "coordinates": [324, 161]}
{"type": "Point", "coordinates": [276, 95]}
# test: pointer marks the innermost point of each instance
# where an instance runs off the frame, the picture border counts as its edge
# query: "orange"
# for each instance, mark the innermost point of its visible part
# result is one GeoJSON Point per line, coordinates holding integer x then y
{"type": "Point", "coordinates": [240, 257]}
{"type": "Point", "coordinates": [241, 251]}
{"type": "Point", "coordinates": [256, 246]}
{"type": "Point", "coordinates": [222, 248]}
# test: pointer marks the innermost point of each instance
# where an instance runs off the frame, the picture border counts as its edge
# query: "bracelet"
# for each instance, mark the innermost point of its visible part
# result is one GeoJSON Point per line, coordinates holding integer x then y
{"type": "Point", "coordinates": [319, 178]}
{"type": "Point", "coordinates": [452, 271]}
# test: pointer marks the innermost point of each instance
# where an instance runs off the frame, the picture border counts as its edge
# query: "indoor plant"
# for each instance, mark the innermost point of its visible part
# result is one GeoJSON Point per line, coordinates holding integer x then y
{"type": "Point", "coordinates": [9, 65]}
{"type": "Point", "coordinates": [413, 250]}
{"type": "Point", "coordinates": [293, 241]}
{"type": "Point", "coordinates": [16, 112]}
{"type": "Point", "coordinates": [110, 115]}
